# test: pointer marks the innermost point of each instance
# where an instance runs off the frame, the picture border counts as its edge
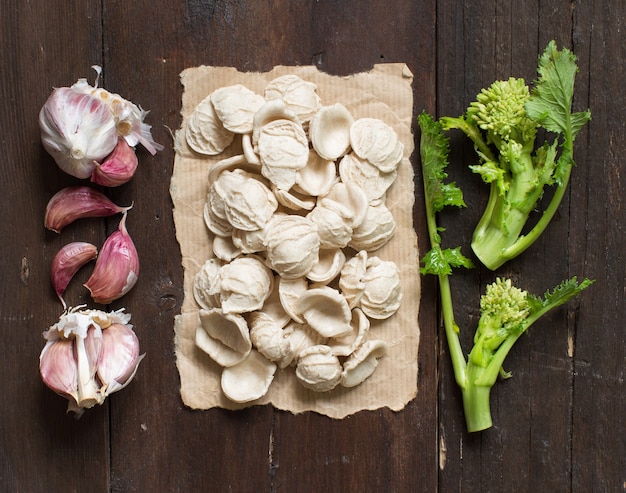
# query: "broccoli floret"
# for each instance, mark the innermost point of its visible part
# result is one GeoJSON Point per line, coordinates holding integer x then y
{"type": "Point", "coordinates": [503, 124]}
{"type": "Point", "coordinates": [506, 311]}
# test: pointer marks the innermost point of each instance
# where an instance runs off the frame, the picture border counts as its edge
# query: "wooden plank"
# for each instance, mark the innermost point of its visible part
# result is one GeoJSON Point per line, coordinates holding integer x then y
{"type": "Point", "coordinates": [174, 448]}
{"type": "Point", "coordinates": [41, 448]}
{"type": "Point", "coordinates": [541, 417]}
{"type": "Point", "coordinates": [597, 331]}
{"type": "Point", "coordinates": [558, 424]}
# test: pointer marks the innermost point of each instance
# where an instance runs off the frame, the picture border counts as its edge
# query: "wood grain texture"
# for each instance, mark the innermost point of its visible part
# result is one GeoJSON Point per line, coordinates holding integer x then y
{"type": "Point", "coordinates": [558, 424]}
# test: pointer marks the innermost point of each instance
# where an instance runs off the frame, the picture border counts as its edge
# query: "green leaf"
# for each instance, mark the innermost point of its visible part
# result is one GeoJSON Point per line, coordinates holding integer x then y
{"type": "Point", "coordinates": [565, 291]}
{"type": "Point", "coordinates": [434, 148]}
{"type": "Point", "coordinates": [551, 99]}
{"type": "Point", "coordinates": [440, 262]}
{"type": "Point", "coordinates": [559, 295]}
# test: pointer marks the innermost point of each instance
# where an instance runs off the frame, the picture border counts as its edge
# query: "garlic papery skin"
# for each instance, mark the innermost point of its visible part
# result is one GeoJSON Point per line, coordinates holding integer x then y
{"type": "Point", "coordinates": [118, 168]}
{"type": "Point", "coordinates": [77, 130]}
{"type": "Point", "coordinates": [78, 202]}
{"type": "Point", "coordinates": [128, 117]}
{"type": "Point", "coordinates": [77, 356]}
{"type": "Point", "coordinates": [117, 267]}
{"type": "Point", "coordinates": [86, 358]}
{"type": "Point", "coordinates": [119, 358]}
{"type": "Point", "coordinates": [67, 262]}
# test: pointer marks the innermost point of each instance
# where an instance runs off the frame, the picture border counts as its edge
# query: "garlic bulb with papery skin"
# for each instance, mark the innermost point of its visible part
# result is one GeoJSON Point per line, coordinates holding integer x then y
{"type": "Point", "coordinates": [129, 118]}
{"type": "Point", "coordinates": [77, 130]}
{"type": "Point", "coordinates": [118, 167]}
{"type": "Point", "coordinates": [77, 202]}
{"type": "Point", "coordinates": [88, 355]}
{"type": "Point", "coordinates": [117, 267]}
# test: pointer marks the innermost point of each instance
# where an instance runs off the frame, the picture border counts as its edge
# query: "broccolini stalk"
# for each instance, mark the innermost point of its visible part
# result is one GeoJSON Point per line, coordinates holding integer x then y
{"type": "Point", "coordinates": [503, 123]}
{"type": "Point", "coordinates": [506, 311]}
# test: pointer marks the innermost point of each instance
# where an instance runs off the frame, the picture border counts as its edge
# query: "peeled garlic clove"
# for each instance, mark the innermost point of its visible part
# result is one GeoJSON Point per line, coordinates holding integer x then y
{"type": "Point", "coordinates": [249, 379]}
{"type": "Point", "coordinates": [362, 363]}
{"type": "Point", "coordinates": [235, 106]}
{"type": "Point", "coordinates": [225, 337]}
{"type": "Point", "coordinates": [119, 358]}
{"type": "Point", "coordinates": [78, 202]}
{"type": "Point", "coordinates": [58, 368]}
{"type": "Point", "coordinates": [118, 167]}
{"type": "Point", "coordinates": [383, 293]}
{"type": "Point", "coordinates": [117, 267]}
{"type": "Point", "coordinates": [326, 311]}
{"type": "Point", "coordinates": [375, 141]}
{"type": "Point", "coordinates": [245, 284]}
{"type": "Point", "coordinates": [69, 259]}
{"type": "Point", "coordinates": [329, 130]}
{"type": "Point", "coordinates": [318, 368]}
{"type": "Point", "coordinates": [77, 130]}
{"type": "Point", "coordinates": [205, 133]}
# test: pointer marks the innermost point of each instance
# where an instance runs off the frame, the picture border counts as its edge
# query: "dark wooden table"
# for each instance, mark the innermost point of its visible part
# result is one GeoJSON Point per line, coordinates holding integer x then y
{"type": "Point", "coordinates": [559, 423]}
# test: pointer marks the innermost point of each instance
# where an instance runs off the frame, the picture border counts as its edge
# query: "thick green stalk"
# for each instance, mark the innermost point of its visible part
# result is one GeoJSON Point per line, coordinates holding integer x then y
{"type": "Point", "coordinates": [451, 329]}
{"type": "Point", "coordinates": [505, 216]}
{"type": "Point", "coordinates": [476, 404]}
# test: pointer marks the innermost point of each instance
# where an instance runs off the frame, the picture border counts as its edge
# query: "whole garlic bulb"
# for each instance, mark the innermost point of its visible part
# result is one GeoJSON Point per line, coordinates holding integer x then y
{"type": "Point", "coordinates": [88, 355]}
{"type": "Point", "coordinates": [77, 130]}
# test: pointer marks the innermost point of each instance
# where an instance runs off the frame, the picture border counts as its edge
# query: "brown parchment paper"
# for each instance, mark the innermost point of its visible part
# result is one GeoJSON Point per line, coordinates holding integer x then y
{"type": "Point", "coordinates": [384, 92]}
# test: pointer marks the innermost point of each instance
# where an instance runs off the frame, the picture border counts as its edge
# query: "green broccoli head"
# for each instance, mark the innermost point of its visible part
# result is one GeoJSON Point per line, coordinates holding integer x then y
{"type": "Point", "coordinates": [504, 309]}
{"type": "Point", "coordinates": [500, 111]}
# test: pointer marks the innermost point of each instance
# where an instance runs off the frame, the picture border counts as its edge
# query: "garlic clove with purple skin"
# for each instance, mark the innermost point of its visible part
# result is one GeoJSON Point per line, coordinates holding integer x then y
{"type": "Point", "coordinates": [77, 129]}
{"type": "Point", "coordinates": [117, 267]}
{"type": "Point", "coordinates": [78, 202]}
{"type": "Point", "coordinates": [67, 262]}
{"type": "Point", "coordinates": [118, 168]}
{"type": "Point", "coordinates": [119, 358]}
{"type": "Point", "coordinates": [58, 368]}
